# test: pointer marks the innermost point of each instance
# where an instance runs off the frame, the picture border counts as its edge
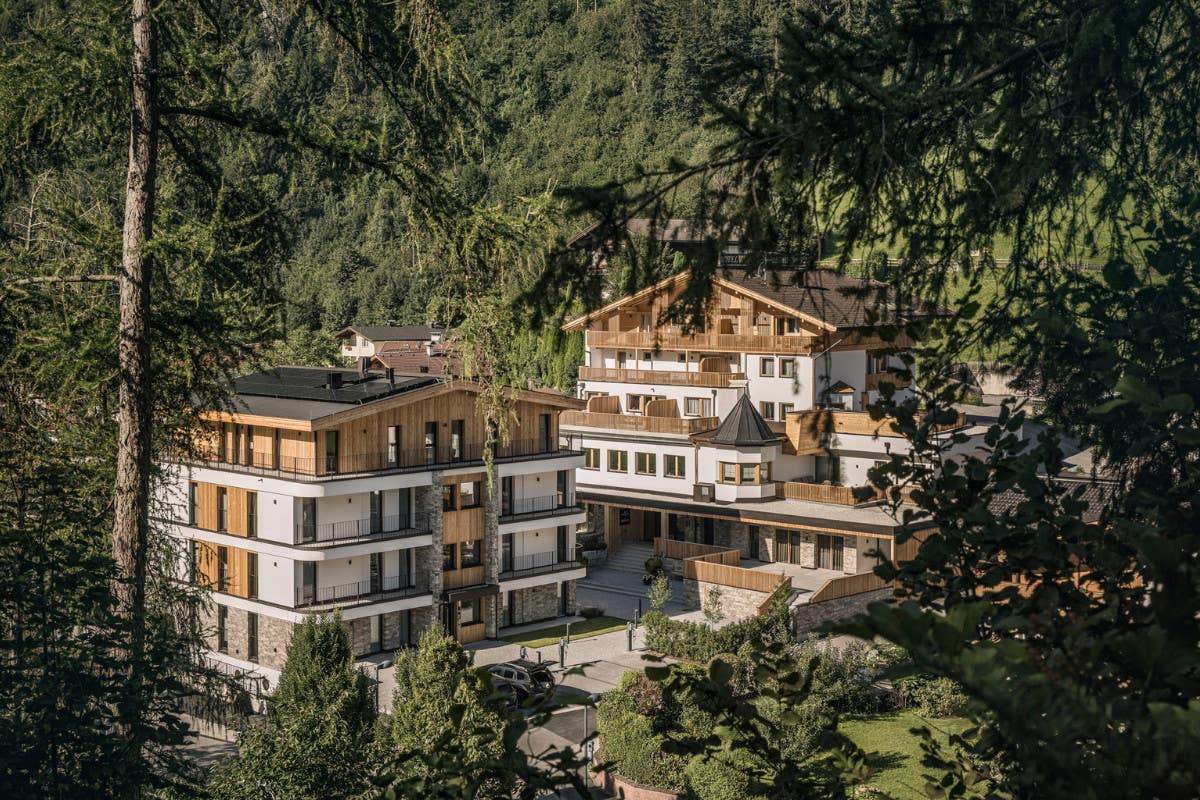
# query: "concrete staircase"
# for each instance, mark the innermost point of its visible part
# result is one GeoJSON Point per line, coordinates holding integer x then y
{"type": "Point", "coordinates": [622, 572]}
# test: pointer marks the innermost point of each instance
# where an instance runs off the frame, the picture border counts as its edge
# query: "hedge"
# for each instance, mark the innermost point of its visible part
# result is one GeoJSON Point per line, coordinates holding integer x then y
{"type": "Point", "coordinates": [698, 642]}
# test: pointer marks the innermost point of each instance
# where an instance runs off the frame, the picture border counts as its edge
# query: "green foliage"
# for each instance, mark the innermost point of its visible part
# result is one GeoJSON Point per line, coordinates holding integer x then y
{"type": "Point", "coordinates": [630, 746]}
{"type": "Point", "coordinates": [659, 594]}
{"type": "Point", "coordinates": [439, 700]}
{"type": "Point", "coordinates": [319, 729]}
{"type": "Point", "coordinates": [932, 697]}
{"type": "Point", "coordinates": [699, 642]}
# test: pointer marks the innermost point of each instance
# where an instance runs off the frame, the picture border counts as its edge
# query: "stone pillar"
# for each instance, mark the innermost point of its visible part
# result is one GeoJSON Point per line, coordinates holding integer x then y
{"type": "Point", "coordinates": [429, 560]}
{"type": "Point", "coordinates": [491, 552]}
{"type": "Point", "coordinates": [808, 551]}
{"type": "Point", "coordinates": [569, 588]}
{"type": "Point", "coordinates": [850, 555]}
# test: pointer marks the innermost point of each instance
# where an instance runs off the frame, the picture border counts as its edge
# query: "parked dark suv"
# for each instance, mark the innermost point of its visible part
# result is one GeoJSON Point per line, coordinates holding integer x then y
{"type": "Point", "coordinates": [526, 677]}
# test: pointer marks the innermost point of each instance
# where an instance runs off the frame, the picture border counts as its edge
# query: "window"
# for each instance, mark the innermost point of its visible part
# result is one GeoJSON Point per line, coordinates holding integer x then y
{"type": "Point", "coordinates": [469, 494]}
{"type": "Point", "coordinates": [222, 569]}
{"type": "Point", "coordinates": [787, 367]}
{"type": "Point", "coordinates": [785, 409]}
{"type": "Point", "coordinates": [470, 611]}
{"type": "Point", "coordinates": [618, 461]}
{"type": "Point", "coordinates": [222, 626]}
{"type": "Point", "coordinates": [470, 554]}
{"type": "Point", "coordinates": [591, 458]}
{"type": "Point", "coordinates": [222, 509]}
{"type": "Point", "coordinates": [646, 464]}
{"type": "Point", "coordinates": [766, 367]}
{"type": "Point", "coordinates": [767, 410]}
{"type": "Point", "coordinates": [448, 497]}
{"type": "Point", "coordinates": [252, 637]}
{"type": "Point", "coordinates": [636, 403]}
{"type": "Point", "coordinates": [786, 325]}
{"type": "Point", "coordinates": [393, 443]}
{"type": "Point", "coordinates": [456, 439]}
{"type": "Point", "coordinates": [252, 575]}
{"type": "Point", "coordinates": [645, 355]}
{"type": "Point", "coordinates": [448, 558]}
{"type": "Point", "coordinates": [308, 519]}
{"type": "Point", "coordinates": [193, 494]}
{"type": "Point", "coordinates": [674, 467]}
{"type": "Point", "coordinates": [331, 452]}
{"type": "Point", "coordinates": [430, 442]}
{"type": "Point", "coordinates": [682, 358]}
{"type": "Point", "coordinates": [697, 407]}
{"type": "Point", "coordinates": [744, 473]}
{"type": "Point", "coordinates": [251, 514]}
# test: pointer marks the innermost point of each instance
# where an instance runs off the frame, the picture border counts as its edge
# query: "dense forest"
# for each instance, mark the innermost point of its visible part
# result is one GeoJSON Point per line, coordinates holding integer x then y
{"type": "Point", "coordinates": [567, 94]}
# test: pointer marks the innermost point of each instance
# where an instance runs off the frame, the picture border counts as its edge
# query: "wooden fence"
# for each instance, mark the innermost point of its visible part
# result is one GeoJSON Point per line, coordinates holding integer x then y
{"type": "Point", "coordinates": [848, 585]}
{"type": "Point", "coordinates": [660, 377]}
{"type": "Point", "coordinates": [632, 422]}
{"type": "Point", "coordinates": [821, 493]}
{"type": "Point", "coordinates": [711, 564]}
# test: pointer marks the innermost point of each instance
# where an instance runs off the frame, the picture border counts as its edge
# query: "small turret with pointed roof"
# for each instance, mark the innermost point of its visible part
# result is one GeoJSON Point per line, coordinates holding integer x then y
{"type": "Point", "coordinates": [744, 427]}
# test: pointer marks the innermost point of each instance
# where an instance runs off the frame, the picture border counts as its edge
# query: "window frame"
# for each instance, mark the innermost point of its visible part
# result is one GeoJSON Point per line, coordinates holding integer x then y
{"type": "Point", "coordinates": [704, 406]}
{"type": "Point", "coordinates": [449, 497]}
{"type": "Point", "coordinates": [761, 473]}
{"type": "Point", "coordinates": [668, 459]}
{"type": "Point", "coordinates": [788, 371]}
{"type": "Point", "coordinates": [588, 453]}
{"type": "Point", "coordinates": [622, 459]}
{"type": "Point", "coordinates": [767, 409]}
{"type": "Point", "coordinates": [474, 546]}
{"type": "Point", "coordinates": [650, 459]}
{"type": "Point", "coordinates": [790, 409]}
{"type": "Point", "coordinates": [766, 366]}
{"type": "Point", "coordinates": [476, 494]}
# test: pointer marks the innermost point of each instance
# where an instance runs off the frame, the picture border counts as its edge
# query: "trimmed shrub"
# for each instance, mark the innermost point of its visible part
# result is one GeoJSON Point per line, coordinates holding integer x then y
{"type": "Point", "coordinates": [698, 642]}
{"type": "Point", "coordinates": [591, 612]}
{"type": "Point", "coordinates": [932, 697]}
{"type": "Point", "coordinates": [629, 746]}
{"type": "Point", "coordinates": [719, 776]}
{"type": "Point", "coordinates": [654, 565]}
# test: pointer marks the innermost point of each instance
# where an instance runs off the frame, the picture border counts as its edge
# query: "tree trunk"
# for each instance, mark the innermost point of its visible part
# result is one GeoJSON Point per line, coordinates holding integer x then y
{"type": "Point", "coordinates": [132, 488]}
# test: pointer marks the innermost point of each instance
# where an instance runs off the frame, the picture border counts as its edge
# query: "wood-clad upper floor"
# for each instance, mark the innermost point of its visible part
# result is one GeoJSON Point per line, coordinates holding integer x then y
{"type": "Point", "coordinates": [435, 423]}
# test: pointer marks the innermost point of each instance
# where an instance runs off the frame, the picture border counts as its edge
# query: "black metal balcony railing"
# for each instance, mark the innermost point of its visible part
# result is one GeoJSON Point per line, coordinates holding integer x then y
{"type": "Point", "coordinates": [380, 527]}
{"type": "Point", "coordinates": [535, 564]}
{"type": "Point", "coordinates": [386, 459]}
{"type": "Point", "coordinates": [389, 586]}
{"type": "Point", "coordinates": [534, 507]}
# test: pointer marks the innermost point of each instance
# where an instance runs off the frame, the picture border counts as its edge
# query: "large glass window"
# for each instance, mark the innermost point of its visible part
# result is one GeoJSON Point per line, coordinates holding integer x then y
{"type": "Point", "coordinates": [470, 554]}
{"type": "Point", "coordinates": [222, 509]}
{"type": "Point", "coordinates": [448, 497]}
{"type": "Point", "coordinates": [646, 464]}
{"type": "Point", "coordinates": [591, 458]}
{"type": "Point", "coordinates": [697, 407]}
{"type": "Point", "coordinates": [470, 494]}
{"type": "Point", "coordinates": [470, 611]}
{"type": "Point", "coordinates": [251, 514]}
{"type": "Point", "coordinates": [448, 558]}
{"type": "Point", "coordinates": [618, 461]}
{"type": "Point", "coordinates": [252, 575]}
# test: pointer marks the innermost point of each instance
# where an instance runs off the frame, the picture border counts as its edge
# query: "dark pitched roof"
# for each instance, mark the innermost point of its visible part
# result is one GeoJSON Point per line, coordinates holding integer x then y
{"type": "Point", "coordinates": [1096, 495]}
{"type": "Point", "coordinates": [393, 333]}
{"type": "Point", "coordinates": [744, 427]}
{"type": "Point", "coordinates": [837, 299]}
{"type": "Point", "coordinates": [841, 387]}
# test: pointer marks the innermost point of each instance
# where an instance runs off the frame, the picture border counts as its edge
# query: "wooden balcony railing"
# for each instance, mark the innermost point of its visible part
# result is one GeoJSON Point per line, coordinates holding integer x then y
{"type": "Point", "coordinates": [711, 342]}
{"type": "Point", "coordinates": [661, 377]}
{"type": "Point", "coordinates": [820, 493]}
{"type": "Point", "coordinates": [630, 422]}
{"type": "Point", "coordinates": [848, 585]}
{"type": "Point", "coordinates": [806, 430]}
{"type": "Point", "coordinates": [876, 378]}
{"type": "Point", "coordinates": [466, 576]}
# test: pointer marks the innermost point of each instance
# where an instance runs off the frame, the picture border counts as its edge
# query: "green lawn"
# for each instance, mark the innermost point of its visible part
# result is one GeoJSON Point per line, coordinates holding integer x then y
{"type": "Point", "coordinates": [579, 630]}
{"type": "Point", "coordinates": [893, 753]}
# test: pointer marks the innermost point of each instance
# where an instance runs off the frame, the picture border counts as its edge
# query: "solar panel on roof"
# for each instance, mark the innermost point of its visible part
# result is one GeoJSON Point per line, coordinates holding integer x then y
{"type": "Point", "coordinates": [310, 383]}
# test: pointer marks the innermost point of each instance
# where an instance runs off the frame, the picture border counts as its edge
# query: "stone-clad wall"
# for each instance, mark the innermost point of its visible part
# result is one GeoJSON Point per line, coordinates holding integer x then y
{"type": "Point", "coordinates": [358, 631]}
{"type": "Point", "coordinates": [429, 559]}
{"type": "Point", "coordinates": [572, 603]}
{"type": "Point", "coordinates": [491, 553]}
{"type": "Point", "coordinates": [274, 635]}
{"type": "Point", "coordinates": [735, 603]}
{"type": "Point", "coordinates": [534, 604]}
{"type": "Point", "coordinates": [807, 618]}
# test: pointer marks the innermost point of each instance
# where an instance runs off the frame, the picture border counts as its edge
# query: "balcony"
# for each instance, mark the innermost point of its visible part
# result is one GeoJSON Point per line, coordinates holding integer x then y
{"type": "Point", "coordinates": [641, 424]}
{"type": "Point", "coordinates": [707, 342]}
{"type": "Point", "coordinates": [537, 507]}
{"type": "Point", "coordinates": [536, 564]}
{"type": "Point", "coordinates": [464, 576]}
{"type": "Point", "coordinates": [385, 588]}
{"type": "Point", "coordinates": [368, 528]}
{"type": "Point", "coordinates": [383, 461]}
{"type": "Point", "coordinates": [808, 431]}
{"type": "Point", "coordinates": [661, 377]}
{"type": "Point", "coordinates": [876, 378]}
